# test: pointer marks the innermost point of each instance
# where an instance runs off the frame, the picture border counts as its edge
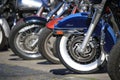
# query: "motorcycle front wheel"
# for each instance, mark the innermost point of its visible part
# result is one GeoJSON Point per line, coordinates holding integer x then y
{"type": "Point", "coordinates": [22, 38]}
{"type": "Point", "coordinates": [3, 38]}
{"type": "Point", "coordinates": [46, 45]}
{"type": "Point", "coordinates": [114, 62]}
{"type": "Point", "coordinates": [88, 62]}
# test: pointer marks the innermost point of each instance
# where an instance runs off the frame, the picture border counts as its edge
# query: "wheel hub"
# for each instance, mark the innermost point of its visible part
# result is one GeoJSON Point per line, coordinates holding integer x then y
{"type": "Point", "coordinates": [89, 53]}
{"type": "Point", "coordinates": [24, 41]}
{"type": "Point", "coordinates": [49, 43]}
{"type": "Point", "coordinates": [29, 40]}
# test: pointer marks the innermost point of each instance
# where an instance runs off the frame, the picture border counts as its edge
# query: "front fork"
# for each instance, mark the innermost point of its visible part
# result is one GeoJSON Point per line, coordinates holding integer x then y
{"type": "Point", "coordinates": [95, 19]}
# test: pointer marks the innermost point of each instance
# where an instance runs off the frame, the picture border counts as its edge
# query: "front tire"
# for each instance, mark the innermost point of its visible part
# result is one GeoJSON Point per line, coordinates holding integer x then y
{"type": "Point", "coordinates": [114, 62]}
{"type": "Point", "coordinates": [21, 38]}
{"type": "Point", "coordinates": [46, 45]}
{"type": "Point", "coordinates": [89, 62]}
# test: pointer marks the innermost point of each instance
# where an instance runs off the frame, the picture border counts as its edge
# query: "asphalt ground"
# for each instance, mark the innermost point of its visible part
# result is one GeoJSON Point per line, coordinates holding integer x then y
{"type": "Point", "coordinates": [14, 68]}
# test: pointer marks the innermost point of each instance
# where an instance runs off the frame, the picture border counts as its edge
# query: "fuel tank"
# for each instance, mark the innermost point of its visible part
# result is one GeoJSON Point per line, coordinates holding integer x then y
{"type": "Point", "coordinates": [30, 4]}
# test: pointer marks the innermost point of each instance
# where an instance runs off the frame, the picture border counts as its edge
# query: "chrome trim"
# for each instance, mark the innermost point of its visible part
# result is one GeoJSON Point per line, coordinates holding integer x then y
{"type": "Point", "coordinates": [29, 4]}
{"type": "Point", "coordinates": [5, 26]}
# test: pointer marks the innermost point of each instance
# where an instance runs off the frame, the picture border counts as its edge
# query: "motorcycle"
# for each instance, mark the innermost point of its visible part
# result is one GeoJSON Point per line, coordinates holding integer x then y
{"type": "Point", "coordinates": [24, 37]}
{"type": "Point", "coordinates": [11, 11]}
{"type": "Point", "coordinates": [84, 40]}
{"type": "Point", "coordinates": [113, 65]}
{"type": "Point", "coordinates": [46, 43]}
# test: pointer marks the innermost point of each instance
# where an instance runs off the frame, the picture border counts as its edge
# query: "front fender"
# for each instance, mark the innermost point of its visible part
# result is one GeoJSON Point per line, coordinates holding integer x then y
{"type": "Point", "coordinates": [35, 19]}
{"type": "Point", "coordinates": [108, 35]}
{"type": "Point", "coordinates": [50, 24]}
{"type": "Point", "coordinates": [110, 38]}
{"type": "Point", "coordinates": [73, 21]}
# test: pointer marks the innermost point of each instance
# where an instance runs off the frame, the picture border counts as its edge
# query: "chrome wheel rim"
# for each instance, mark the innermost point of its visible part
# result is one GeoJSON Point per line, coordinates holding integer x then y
{"type": "Point", "coordinates": [89, 54]}
{"type": "Point", "coordinates": [25, 37]}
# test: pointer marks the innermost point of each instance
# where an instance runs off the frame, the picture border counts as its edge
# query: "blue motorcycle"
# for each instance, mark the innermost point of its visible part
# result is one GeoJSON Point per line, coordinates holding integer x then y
{"type": "Point", "coordinates": [84, 40]}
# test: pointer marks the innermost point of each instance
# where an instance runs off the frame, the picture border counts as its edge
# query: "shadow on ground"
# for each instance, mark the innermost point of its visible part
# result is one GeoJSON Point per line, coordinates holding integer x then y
{"type": "Point", "coordinates": [66, 72]}
{"type": "Point", "coordinates": [46, 63]}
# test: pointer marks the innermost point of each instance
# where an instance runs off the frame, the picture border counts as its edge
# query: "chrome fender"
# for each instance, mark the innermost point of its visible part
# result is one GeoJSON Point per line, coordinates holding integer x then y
{"type": "Point", "coordinates": [4, 24]}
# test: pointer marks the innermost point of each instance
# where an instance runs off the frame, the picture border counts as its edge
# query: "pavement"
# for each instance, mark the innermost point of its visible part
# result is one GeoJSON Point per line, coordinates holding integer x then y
{"type": "Point", "coordinates": [14, 68]}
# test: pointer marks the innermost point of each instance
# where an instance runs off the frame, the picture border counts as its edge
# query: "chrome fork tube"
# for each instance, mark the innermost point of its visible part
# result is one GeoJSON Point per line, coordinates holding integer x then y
{"type": "Point", "coordinates": [90, 30]}
{"type": "Point", "coordinates": [95, 19]}
{"type": "Point", "coordinates": [39, 13]}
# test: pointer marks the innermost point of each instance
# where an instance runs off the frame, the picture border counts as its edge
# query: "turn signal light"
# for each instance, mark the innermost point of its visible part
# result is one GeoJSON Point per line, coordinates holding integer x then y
{"type": "Point", "coordinates": [60, 32]}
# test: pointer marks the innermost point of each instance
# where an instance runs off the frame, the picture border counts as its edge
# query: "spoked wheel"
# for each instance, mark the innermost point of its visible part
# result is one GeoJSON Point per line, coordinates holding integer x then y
{"type": "Point", "coordinates": [114, 62]}
{"type": "Point", "coordinates": [23, 40]}
{"type": "Point", "coordinates": [89, 61]}
{"type": "Point", "coordinates": [2, 38]}
{"type": "Point", "coordinates": [47, 47]}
